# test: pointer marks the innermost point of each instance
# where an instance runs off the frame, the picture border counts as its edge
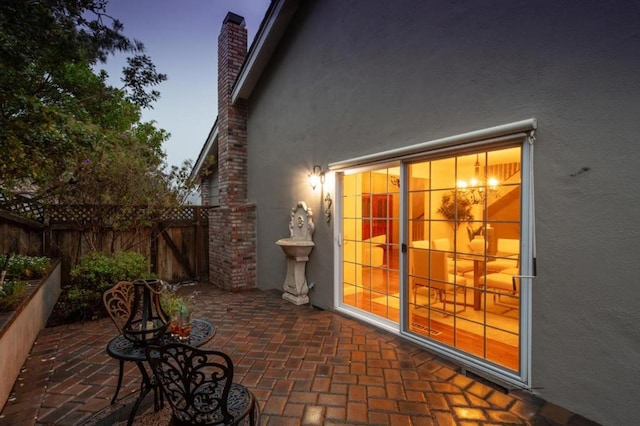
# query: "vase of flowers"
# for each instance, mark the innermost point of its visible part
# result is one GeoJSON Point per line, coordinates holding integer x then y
{"type": "Point", "coordinates": [180, 311]}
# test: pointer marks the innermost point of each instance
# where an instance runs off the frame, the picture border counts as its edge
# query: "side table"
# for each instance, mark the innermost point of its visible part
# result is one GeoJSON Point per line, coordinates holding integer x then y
{"type": "Point", "coordinates": [124, 349]}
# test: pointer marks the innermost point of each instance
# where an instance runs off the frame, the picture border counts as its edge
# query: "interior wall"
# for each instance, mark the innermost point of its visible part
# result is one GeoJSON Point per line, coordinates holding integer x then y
{"type": "Point", "coordinates": [355, 78]}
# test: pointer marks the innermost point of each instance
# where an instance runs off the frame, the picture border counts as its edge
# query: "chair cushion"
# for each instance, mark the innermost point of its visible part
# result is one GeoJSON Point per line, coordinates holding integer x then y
{"type": "Point", "coordinates": [499, 265]}
{"type": "Point", "coordinates": [421, 244]}
{"type": "Point", "coordinates": [501, 280]}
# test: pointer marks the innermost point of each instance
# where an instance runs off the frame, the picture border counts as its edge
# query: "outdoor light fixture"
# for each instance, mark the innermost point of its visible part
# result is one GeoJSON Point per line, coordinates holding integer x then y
{"type": "Point", "coordinates": [476, 190]}
{"type": "Point", "coordinates": [316, 176]}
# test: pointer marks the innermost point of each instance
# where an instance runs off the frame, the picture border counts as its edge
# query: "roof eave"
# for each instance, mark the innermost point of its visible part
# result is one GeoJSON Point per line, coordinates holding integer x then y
{"type": "Point", "coordinates": [272, 28]}
{"type": "Point", "coordinates": [204, 152]}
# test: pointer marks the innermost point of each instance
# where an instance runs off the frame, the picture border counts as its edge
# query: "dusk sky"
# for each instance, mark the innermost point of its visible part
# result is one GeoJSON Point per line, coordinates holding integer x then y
{"type": "Point", "coordinates": [181, 37]}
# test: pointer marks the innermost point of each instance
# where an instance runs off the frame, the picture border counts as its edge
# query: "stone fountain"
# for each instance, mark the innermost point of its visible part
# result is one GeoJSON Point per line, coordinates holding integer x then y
{"type": "Point", "coordinates": [297, 248]}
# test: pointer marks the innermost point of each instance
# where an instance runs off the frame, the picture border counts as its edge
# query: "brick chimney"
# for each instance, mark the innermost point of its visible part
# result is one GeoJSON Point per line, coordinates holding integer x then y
{"type": "Point", "coordinates": [232, 119]}
{"type": "Point", "coordinates": [232, 227]}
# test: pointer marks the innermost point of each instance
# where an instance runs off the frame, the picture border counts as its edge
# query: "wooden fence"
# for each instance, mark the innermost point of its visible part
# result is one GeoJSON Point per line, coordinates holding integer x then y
{"type": "Point", "coordinates": [176, 246]}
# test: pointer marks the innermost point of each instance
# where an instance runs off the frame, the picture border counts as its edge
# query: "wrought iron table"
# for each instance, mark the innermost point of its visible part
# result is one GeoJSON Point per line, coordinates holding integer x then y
{"type": "Point", "coordinates": [124, 349]}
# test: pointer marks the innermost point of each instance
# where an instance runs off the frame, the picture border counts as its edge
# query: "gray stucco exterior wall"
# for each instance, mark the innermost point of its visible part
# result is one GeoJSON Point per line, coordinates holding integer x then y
{"type": "Point", "coordinates": [358, 77]}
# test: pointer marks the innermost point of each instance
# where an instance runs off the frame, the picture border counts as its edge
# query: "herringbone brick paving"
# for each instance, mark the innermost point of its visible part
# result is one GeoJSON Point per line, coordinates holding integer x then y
{"type": "Point", "coordinates": [305, 366]}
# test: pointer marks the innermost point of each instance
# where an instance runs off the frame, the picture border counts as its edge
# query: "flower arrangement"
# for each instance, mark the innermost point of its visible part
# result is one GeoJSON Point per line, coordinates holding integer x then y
{"type": "Point", "coordinates": [179, 308]}
{"type": "Point", "coordinates": [172, 302]}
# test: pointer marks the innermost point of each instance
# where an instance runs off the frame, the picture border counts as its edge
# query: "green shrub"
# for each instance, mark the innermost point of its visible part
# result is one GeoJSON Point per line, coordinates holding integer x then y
{"type": "Point", "coordinates": [76, 304]}
{"type": "Point", "coordinates": [100, 272]}
{"type": "Point", "coordinates": [82, 299]}
{"type": "Point", "coordinates": [27, 267]}
{"type": "Point", "coordinates": [11, 294]}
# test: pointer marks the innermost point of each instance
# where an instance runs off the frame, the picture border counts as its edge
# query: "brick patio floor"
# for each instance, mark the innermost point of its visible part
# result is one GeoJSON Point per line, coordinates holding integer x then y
{"type": "Point", "coordinates": [306, 367]}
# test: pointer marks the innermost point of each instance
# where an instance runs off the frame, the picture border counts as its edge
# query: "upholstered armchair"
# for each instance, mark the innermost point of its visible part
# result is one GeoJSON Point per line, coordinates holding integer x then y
{"type": "Point", "coordinates": [508, 250]}
{"type": "Point", "coordinates": [461, 266]}
{"type": "Point", "coordinates": [503, 283]}
{"type": "Point", "coordinates": [429, 270]}
{"type": "Point", "coordinates": [373, 250]}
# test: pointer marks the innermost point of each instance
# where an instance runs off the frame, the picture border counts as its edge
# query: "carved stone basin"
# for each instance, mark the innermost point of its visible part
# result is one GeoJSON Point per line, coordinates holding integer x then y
{"type": "Point", "coordinates": [295, 248]}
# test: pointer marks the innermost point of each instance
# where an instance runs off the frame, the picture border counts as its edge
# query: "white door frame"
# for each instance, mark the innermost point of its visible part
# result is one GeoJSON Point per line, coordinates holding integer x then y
{"type": "Point", "coordinates": [522, 132]}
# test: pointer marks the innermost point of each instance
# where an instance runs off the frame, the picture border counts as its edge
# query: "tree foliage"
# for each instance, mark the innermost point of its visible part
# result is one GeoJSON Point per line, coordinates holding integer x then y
{"type": "Point", "coordinates": [63, 130]}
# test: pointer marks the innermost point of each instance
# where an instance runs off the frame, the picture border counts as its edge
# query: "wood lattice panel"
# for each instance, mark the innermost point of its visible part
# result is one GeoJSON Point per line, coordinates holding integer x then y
{"type": "Point", "coordinates": [83, 214]}
{"type": "Point", "coordinates": [23, 206]}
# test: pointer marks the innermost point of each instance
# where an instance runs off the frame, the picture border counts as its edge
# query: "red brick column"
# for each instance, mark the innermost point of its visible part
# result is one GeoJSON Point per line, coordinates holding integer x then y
{"type": "Point", "coordinates": [205, 195]}
{"type": "Point", "coordinates": [232, 119]}
{"type": "Point", "coordinates": [232, 227]}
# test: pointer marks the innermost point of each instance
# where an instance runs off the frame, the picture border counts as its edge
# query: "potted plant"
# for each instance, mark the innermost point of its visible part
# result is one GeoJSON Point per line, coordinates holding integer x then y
{"type": "Point", "coordinates": [179, 309]}
{"type": "Point", "coordinates": [172, 304]}
{"type": "Point", "coordinates": [456, 208]}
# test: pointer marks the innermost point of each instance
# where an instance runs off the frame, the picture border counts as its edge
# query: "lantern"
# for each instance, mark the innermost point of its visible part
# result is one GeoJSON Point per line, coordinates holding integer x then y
{"type": "Point", "coordinates": [147, 322]}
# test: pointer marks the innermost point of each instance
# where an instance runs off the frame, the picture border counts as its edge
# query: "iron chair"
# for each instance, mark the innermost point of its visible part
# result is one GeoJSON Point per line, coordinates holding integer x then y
{"type": "Point", "coordinates": [118, 301]}
{"type": "Point", "coordinates": [198, 384]}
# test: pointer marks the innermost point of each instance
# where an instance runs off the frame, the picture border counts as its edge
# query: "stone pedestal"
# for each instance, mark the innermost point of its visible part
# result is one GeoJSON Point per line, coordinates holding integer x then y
{"type": "Point", "coordinates": [295, 284]}
{"type": "Point", "coordinates": [296, 249]}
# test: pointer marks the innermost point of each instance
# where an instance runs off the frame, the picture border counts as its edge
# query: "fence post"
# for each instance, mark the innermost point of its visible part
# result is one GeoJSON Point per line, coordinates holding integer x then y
{"type": "Point", "coordinates": [153, 249]}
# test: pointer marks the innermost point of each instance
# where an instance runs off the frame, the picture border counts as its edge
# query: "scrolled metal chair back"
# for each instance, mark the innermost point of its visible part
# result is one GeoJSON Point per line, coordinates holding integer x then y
{"type": "Point", "coordinates": [118, 301]}
{"type": "Point", "coordinates": [197, 384]}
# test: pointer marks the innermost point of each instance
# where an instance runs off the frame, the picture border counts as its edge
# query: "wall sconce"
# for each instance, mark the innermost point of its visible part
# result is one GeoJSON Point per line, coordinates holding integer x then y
{"type": "Point", "coordinates": [316, 176]}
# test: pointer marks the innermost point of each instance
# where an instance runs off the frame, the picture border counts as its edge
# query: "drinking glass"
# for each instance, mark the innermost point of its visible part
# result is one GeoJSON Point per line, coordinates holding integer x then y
{"type": "Point", "coordinates": [174, 325]}
{"type": "Point", "coordinates": [185, 326]}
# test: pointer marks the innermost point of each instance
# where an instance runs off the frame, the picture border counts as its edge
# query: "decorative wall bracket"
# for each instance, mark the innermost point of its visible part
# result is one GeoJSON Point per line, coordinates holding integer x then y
{"type": "Point", "coordinates": [327, 209]}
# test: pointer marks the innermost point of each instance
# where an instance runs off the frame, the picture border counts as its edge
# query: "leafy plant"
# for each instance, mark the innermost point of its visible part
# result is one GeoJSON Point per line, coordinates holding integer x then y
{"type": "Point", "coordinates": [171, 302]}
{"type": "Point", "coordinates": [11, 294]}
{"type": "Point", "coordinates": [15, 269]}
{"type": "Point", "coordinates": [456, 207]}
{"type": "Point", "coordinates": [27, 267]}
{"type": "Point", "coordinates": [97, 272]}
{"type": "Point", "coordinates": [56, 103]}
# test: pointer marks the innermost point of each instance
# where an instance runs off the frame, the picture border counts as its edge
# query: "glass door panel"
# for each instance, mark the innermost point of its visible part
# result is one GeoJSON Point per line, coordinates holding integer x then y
{"type": "Point", "coordinates": [371, 231]}
{"type": "Point", "coordinates": [463, 221]}
{"type": "Point", "coordinates": [464, 251]}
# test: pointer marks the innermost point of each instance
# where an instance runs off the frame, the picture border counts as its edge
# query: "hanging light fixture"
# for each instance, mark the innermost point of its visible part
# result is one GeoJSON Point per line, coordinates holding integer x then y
{"type": "Point", "coordinates": [477, 190]}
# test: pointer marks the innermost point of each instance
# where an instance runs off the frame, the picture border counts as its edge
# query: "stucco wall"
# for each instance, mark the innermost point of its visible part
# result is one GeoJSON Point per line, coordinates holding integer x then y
{"type": "Point", "coordinates": [358, 77]}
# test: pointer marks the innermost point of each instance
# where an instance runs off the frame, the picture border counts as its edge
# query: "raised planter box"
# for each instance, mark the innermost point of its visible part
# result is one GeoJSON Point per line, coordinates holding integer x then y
{"type": "Point", "coordinates": [19, 328]}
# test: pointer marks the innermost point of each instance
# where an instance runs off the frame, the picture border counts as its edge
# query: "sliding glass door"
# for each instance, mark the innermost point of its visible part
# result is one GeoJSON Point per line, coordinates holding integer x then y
{"type": "Point", "coordinates": [464, 252]}
{"type": "Point", "coordinates": [440, 246]}
{"type": "Point", "coordinates": [371, 233]}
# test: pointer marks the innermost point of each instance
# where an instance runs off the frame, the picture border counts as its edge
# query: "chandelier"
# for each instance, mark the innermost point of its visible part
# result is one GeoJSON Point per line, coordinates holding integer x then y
{"type": "Point", "coordinates": [477, 190]}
